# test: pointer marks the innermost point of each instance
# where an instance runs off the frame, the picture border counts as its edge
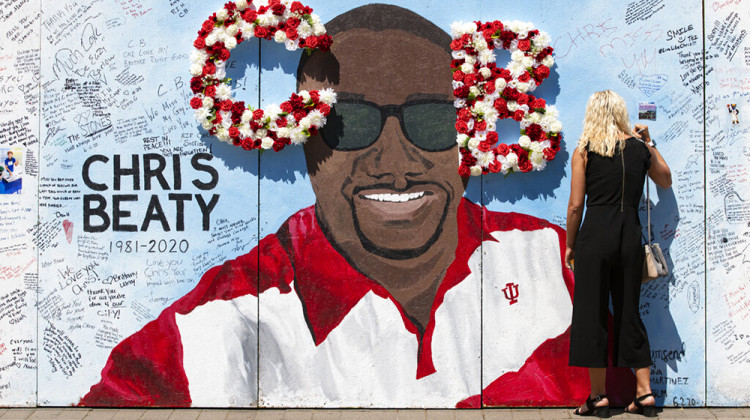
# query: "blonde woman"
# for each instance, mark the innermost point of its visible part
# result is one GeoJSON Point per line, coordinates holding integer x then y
{"type": "Point", "coordinates": [609, 167]}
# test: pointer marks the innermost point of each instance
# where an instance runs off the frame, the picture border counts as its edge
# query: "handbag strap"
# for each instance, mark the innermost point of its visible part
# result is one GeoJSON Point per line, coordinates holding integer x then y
{"type": "Point", "coordinates": [648, 212]}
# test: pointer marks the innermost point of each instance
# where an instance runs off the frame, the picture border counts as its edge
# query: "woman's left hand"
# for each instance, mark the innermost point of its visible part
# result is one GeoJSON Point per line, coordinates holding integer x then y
{"type": "Point", "coordinates": [569, 255]}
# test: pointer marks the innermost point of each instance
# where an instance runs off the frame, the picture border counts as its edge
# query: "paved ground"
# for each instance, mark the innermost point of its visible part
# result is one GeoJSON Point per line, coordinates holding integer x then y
{"type": "Point", "coordinates": [486, 414]}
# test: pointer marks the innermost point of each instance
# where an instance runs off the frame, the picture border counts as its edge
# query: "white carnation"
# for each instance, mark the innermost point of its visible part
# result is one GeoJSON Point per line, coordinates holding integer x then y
{"type": "Point", "coordinates": [522, 87]}
{"type": "Point", "coordinates": [233, 29]}
{"type": "Point", "coordinates": [230, 42]}
{"type": "Point", "coordinates": [470, 59]}
{"type": "Point", "coordinates": [223, 91]}
{"type": "Point", "coordinates": [202, 114]}
{"type": "Point", "coordinates": [474, 90]}
{"type": "Point", "coordinates": [537, 160]}
{"type": "Point", "coordinates": [280, 36]}
{"type": "Point", "coordinates": [222, 14]}
{"type": "Point", "coordinates": [316, 118]}
{"type": "Point", "coordinates": [245, 130]}
{"type": "Point", "coordinates": [206, 125]}
{"type": "Point", "coordinates": [198, 57]}
{"type": "Point", "coordinates": [486, 56]}
{"type": "Point", "coordinates": [241, 4]}
{"type": "Point", "coordinates": [542, 40]}
{"type": "Point", "coordinates": [284, 132]}
{"type": "Point", "coordinates": [304, 29]}
{"type": "Point", "coordinates": [266, 143]}
{"type": "Point", "coordinates": [247, 116]}
{"type": "Point", "coordinates": [196, 69]}
{"type": "Point", "coordinates": [327, 96]}
{"type": "Point", "coordinates": [208, 102]}
{"type": "Point", "coordinates": [298, 136]}
{"type": "Point", "coordinates": [267, 19]}
{"type": "Point", "coordinates": [272, 111]}
{"type": "Point", "coordinates": [485, 159]}
{"type": "Point", "coordinates": [212, 38]}
{"type": "Point", "coordinates": [319, 29]}
{"type": "Point", "coordinates": [222, 134]}
{"type": "Point", "coordinates": [527, 61]}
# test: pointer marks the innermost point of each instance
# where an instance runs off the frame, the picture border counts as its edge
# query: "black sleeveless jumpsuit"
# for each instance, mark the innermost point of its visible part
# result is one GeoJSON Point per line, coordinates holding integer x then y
{"type": "Point", "coordinates": [609, 261]}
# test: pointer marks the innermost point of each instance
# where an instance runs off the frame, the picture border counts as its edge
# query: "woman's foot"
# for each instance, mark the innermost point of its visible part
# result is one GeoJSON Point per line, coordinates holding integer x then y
{"type": "Point", "coordinates": [644, 404]}
{"type": "Point", "coordinates": [594, 406]}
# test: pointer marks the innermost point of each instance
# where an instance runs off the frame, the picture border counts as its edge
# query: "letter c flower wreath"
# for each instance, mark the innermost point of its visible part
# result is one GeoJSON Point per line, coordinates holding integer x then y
{"type": "Point", "coordinates": [486, 93]}
{"type": "Point", "coordinates": [232, 121]}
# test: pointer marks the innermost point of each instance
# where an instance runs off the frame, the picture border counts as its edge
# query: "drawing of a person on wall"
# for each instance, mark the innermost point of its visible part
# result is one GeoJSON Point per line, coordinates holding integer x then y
{"type": "Point", "coordinates": [380, 294]}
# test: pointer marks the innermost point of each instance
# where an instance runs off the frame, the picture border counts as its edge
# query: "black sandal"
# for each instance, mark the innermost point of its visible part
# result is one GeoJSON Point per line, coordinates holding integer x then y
{"type": "Point", "coordinates": [592, 409]}
{"type": "Point", "coordinates": [645, 410]}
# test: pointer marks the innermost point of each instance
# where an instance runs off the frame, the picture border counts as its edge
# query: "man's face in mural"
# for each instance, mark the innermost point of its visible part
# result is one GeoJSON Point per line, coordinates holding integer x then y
{"type": "Point", "coordinates": [385, 180]}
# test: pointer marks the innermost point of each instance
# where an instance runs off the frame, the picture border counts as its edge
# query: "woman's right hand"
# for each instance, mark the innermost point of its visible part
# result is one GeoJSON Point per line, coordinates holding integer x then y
{"type": "Point", "coordinates": [641, 131]}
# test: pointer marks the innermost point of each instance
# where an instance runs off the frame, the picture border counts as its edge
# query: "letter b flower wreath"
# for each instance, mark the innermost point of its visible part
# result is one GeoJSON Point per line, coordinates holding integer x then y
{"type": "Point", "coordinates": [486, 93]}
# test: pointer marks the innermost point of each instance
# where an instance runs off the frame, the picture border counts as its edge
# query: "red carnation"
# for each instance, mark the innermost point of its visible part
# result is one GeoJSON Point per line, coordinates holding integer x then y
{"type": "Point", "coordinates": [281, 122]}
{"type": "Point", "coordinates": [501, 106]}
{"type": "Point", "coordinates": [234, 132]}
{"type": "Point", "coordinates": [538, 103]}
{"type": "Point", "coordinates": [324, 42]}
{"type": "Point", "coordinates": [226, 105]}
{"type": "Point", "coordinates": [260, 32]}
{"type": "Point", "coordinates": [470, 79]}
{"type": "Point", "coordinates": [464, 114]}
{"type": "Point", "coordinates": [549, 154]}
{"type": "Point", "coordinates": [465, 39]}
{"type": "Point", "coordinates": [297, 7]}
{"type": "Point", "coordinates": [522, 99]}
{"type": "Point", "coordinates": [196, 84]}
{"type": "Point", "coordinates": [524, 45]}
{"type": "Point", "coordinates": [210, 91]}
{"type": "Point", "coordinates": [311, 42]}
{"type": "Point", "coordinates": [258, 114]}
{"type": "Point", "coordinates": [224, 54]}
{"type": "Point", "coordinates": [299, 115]}
{"type": "Point", "coordinates": [209, 68]}
{"type": "Point", "coordinates": [291, 32]}
{"type": "Point", "coordinates": [238, 107]}
{"type": "Point", "coordinates": [249, 15]}
{"type": "Point", "coordinates": [534, 131]}
{"type": "Point", "coordinates": [492, 137]}
{"type": "Point", "coordinates": [200, 43]}
{"type": "Point", "coordinates": [481, 126]}
{"type": "Point", "coordinates": [246, 144]}
{"type": "Point", "coordinates": [518, 115]}
{"type": "Point", "coordinates": [489, 87]}
{"type": "Point", "coordinates": [208, 25]}
{"type": "Point", "coordinates": [461, 92]}
{"type": "Point", "coordinates": [196, 103]}
{"type": "Point", "coordinates": [462, 127]}
{"type": "Point", "coordinates": [325, 109]}
{"type": "Point", "coordinates": [542, 72]}
{"type": "Point", "coordinates": [524, 77]}
{"type": "Point", "coordinates": [278, 9]}
{"type": "Point", "coordinates": [464, 171]}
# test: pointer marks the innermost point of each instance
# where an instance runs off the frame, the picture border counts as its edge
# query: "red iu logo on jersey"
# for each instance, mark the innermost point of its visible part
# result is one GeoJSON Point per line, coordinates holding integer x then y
{"type": "Point", "coordinates": [511, 292]}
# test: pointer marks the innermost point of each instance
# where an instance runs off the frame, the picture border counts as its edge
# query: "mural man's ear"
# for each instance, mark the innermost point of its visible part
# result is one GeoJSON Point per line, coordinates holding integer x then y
{"type": "Point", "coordinates": [232, 121]}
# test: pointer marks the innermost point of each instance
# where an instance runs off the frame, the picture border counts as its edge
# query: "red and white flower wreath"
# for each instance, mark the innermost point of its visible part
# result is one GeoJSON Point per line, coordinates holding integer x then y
{"type": "Point", "coordinates": [486, 93]}
{"type": "Point", "coordinates": [232, 121]}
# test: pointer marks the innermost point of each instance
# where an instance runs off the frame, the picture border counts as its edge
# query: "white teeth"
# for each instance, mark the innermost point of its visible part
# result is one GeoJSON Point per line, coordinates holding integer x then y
{"type": "Point", "coordinates": [395, 198]}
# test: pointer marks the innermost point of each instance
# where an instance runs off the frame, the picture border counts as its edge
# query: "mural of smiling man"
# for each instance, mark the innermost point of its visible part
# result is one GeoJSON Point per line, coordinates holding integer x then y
{"type": "Point", "coordinates": [392, 290]}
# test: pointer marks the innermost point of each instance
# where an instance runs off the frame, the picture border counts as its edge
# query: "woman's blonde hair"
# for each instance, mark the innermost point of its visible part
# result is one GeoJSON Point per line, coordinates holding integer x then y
{"type": "Point", "coordinates": [605, 122]}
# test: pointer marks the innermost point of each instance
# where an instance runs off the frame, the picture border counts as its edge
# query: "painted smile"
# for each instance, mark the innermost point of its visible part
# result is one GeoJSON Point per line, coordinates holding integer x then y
{"type": "Point", "coordinates": [395, 198]}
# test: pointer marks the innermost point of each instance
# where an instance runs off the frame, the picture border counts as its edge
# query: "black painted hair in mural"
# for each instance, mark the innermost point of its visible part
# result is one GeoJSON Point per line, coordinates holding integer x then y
{"type": "Point", "coordinates": [380, 17]}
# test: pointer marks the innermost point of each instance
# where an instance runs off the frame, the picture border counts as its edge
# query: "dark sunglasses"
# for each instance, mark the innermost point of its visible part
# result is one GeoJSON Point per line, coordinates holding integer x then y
{"type": "Point", "coordinates": [355, 124]}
